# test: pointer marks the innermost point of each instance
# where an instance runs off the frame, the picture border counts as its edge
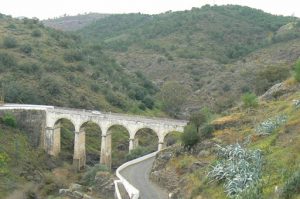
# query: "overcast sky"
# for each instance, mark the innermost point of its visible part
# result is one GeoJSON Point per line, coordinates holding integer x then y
{"type": "Point", "coordinates": [44, 9]}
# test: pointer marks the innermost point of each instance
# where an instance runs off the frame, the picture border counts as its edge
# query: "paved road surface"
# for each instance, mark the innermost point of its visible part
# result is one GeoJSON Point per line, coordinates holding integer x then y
{"type": "Point", "coordinates": [138, 176]}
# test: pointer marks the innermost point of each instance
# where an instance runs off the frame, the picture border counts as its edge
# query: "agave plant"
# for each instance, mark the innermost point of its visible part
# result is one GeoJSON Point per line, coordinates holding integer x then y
{"type": "Point", "coordinates": [238, 167]}
{"type": "Point", "coordinates": [296, 103]}
{"type": "Point", "coordinates": [268, 126]}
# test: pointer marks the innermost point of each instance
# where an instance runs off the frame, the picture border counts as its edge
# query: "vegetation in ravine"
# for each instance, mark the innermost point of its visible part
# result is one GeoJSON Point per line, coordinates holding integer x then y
{"type": "Point", "coordinates": [217, 52]}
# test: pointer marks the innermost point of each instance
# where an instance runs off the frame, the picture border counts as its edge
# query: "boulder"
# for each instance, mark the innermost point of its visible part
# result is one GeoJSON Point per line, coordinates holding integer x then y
{"type": "Point", "coordinates": [276, 91]}
{"type": "Point", "coordinates": [75, 187]}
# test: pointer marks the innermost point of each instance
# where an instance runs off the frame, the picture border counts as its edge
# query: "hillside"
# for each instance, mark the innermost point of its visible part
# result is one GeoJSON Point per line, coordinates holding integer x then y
{"type": "Point", "coordinates": [73, 23]}
{"type": "Point", "coordinates": [208, 50]}
{"type": "Point", "coordinates": [271, 130]}
{"type": "Point", "coordinates": [40, 65]}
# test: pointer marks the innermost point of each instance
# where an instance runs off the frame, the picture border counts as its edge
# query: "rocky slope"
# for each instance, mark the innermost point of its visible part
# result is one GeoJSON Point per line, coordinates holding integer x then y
{"type": "Point", "coordinates": [185, 173]}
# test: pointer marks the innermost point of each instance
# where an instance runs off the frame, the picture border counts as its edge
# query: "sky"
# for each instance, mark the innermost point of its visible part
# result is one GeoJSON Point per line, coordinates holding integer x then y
{"type": "Point", "coordinates": [44, 9]}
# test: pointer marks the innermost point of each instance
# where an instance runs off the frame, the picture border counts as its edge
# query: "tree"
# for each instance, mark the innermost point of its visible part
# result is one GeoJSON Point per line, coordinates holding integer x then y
{"type": "Point", "coordinates": [198, 119]}
{"type": "Point", "coordinates": [190, 136]}
{"type": "Point", "coordinates": [173, 95]}
{"type": "Point", "coordinates": [9, 42]}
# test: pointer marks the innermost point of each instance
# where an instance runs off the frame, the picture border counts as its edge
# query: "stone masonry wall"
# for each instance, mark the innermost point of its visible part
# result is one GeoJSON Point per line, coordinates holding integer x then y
{"type": "Point", "coordinates": [32, 122]}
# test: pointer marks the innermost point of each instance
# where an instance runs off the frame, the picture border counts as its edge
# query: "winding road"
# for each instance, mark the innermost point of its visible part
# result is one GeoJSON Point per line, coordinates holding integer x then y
{"type": "Point", "coordinates": [138, 176]}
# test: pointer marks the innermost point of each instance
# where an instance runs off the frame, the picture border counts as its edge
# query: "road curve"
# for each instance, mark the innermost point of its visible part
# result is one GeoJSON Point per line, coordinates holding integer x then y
{"type": "Point", "coordinates": [138, 176]}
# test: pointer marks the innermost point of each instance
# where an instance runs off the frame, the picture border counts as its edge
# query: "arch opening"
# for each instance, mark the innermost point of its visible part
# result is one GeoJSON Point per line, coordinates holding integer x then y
{"type": "Point", "coordinates": [172, 138]}
{"type": "Point", "coordinates": [92, 133]}
{"type": "Point", "coordinates": [64, 131]}
{"type": "Point", "coordinates": [117, 145]}
{"type": "Point", "coordinates": [146, 141]}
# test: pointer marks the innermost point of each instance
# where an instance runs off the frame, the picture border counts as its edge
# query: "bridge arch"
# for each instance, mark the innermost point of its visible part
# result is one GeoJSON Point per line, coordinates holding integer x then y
{"type": "Point", "coordinates": [92, 140]}
{"type": "Point", "coordinates": [116, 140]}
{"type": "Point", "coordinates": [63, 138]}
{"type": "Point", "coordinates": [171, 137]}
{"type": "Point", "coordinates": [69, 118]}
{"type": "Point", "coordinates": [146, 137]}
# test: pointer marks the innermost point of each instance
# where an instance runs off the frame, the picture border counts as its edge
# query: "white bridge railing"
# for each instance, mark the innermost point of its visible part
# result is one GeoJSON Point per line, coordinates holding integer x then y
{"type": "Point", "coordinates": [133, 192]}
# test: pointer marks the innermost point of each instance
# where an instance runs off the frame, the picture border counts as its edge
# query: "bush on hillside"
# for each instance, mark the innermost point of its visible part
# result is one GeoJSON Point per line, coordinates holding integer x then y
{"type": "Point", "coordinates": [292, 186]}
{"type": "Point", "coordinates": [73, 56]}
{"type": "Point", "coordinates": [9, 120]}
{"type": "Point", "coordinates": [89, 176]}
{"type": "Point", "coordinates": [52, 85]}
{"type": "Point", "coordinates": [36, 33]}
{"type": "Point", "coordinates": [249, 100]}
{"type": "Point", "coordinates": [7, 60]}
{"type": "Point", "coordinates": [3, 163]}
{"type": "Point", "coordinates": [117, 100]}
{"type": "Point", "coordinates": [148, 102]}
{"type": "Point", "coordinates": [173, 96]}
{"type": "Point", "coordinates": [9, 42]}
{"type": "Point", "coordinates": [26, 49]}
{"type": "Point", "coordinates": [206, 131]}
{"type": "Point", "coordinates": [268, 76]}
{"type": "Point", "coordinates": [137, 152]}
{"type": "Point", "coordinates": [190, 136]}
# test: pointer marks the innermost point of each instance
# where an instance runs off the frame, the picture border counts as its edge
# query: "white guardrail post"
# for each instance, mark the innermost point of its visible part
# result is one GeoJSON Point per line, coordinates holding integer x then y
{"type": "Point", "coordinates": [133, 192]}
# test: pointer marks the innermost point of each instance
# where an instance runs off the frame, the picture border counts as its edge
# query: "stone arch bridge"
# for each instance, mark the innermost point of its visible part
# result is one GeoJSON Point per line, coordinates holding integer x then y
{"type": "Point", "coordinates": [78, 117]}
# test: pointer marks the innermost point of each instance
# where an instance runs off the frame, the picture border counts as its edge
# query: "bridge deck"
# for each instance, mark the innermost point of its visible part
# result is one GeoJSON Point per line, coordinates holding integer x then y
{"type": "Point", "coordinates": [93, 113]}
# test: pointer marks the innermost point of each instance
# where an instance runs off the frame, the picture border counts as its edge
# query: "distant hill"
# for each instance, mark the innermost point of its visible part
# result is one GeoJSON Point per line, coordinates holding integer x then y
{"type": "Point", "coordinates": [72, 23]}
{"type": "Point", "coordinates": [217, 52]}
{"type": "Point", "coordinates": [40, 65]}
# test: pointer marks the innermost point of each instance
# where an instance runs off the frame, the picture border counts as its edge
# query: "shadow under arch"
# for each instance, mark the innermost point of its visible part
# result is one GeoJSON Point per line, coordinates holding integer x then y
{"type": "Point", "coordinates": [147, 139]}
{"type": "Point", "coordinates": [117, 143]}
{"type": "Point", "coordinates": [172, 138]}
{"type": "Point", "coordinates": [92, 133]}
{"type": "Point", "coordinates": [64, 131]}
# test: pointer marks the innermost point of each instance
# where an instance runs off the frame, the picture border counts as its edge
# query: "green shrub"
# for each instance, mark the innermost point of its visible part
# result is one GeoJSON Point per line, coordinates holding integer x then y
{"type": "Point", "coordinates": [29, 68]}
{"type": "Point", "coordinates": [9, 42]}
{"type": "Point", "coordinates": [52, 85]}
{"type": "Point", "coordinates": [36, 33]}
{"type": "Point", "coordinates": [73, 56]}
{"type": "Point", "coordinates": [297, 71]}
{"type": "Point", "coordinates": [89, 176]}
{"type": "Point", "coordinates": [137, 152]}
{"type": "Point", "coordinates": [7, 60]}
{"type": "Point", "coordinates": [3, 162]}
{"type": "Point", "coordinates": [249, 100]}
{"type": "Point", "coordinates": [148, 101]}
{"type": "Point", "coordinates": [95, 87]}
{"type": "Point", "coordinates": [9, 120]}
{"type": "Point", "coordinates": [26, 49]}
{"type": "Point", "coordinates": [206, 131]}
{"type": "Point", "coordinates": [190, 136]}
{"type": "Point", "coordinates": [292, 186]}
{"type": "Point", "coordinates": [116, 99]}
